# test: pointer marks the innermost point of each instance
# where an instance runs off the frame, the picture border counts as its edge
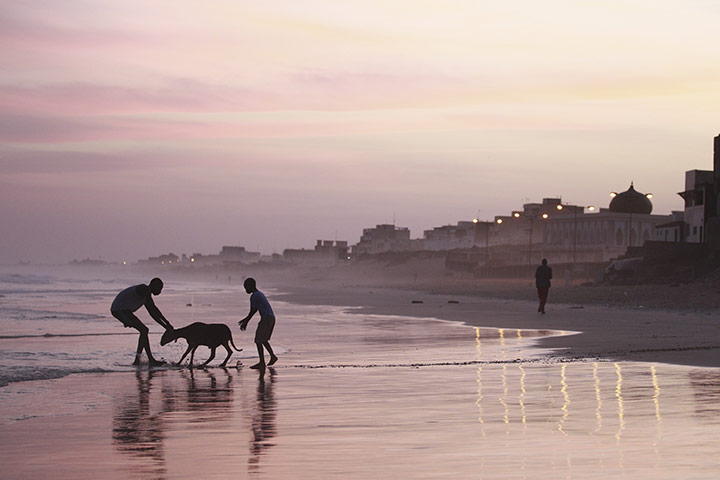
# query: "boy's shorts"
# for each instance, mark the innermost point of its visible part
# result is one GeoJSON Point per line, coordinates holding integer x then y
{"type": "Point", "coordinates": [264, 329]}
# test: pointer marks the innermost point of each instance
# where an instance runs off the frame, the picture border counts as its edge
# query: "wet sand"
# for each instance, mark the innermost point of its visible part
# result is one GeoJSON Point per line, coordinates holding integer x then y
{"type": "Point", "coordinates": [683, 336]}
{"type": "Point", "coordinates": [391, 388]}
{"type": "Point", "coordinates": [492, 419]}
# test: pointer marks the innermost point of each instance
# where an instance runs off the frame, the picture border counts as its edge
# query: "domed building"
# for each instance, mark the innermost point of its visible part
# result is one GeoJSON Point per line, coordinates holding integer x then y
{"type": "Point", "coordinates": [631, 201]}
{"type": "Point", "coordinates": [577, 234]}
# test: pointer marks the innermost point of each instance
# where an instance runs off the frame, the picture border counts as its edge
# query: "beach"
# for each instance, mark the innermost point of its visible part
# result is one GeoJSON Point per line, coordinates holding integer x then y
{"type": "Point", "coordinates": [373, 381]}
{"type": "Point", "coordinates": [601, 332]}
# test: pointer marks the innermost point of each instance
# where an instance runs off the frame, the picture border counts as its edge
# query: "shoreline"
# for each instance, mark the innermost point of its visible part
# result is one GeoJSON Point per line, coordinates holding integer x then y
{"type": "Point", "coordinates": [680, 337]}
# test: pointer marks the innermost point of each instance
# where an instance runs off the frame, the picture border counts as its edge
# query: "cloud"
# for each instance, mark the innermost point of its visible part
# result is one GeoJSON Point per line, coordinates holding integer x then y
{"type": "Point", "coordinates": [13, 162]}
{"type": "Point", "coordinates": [94, 99]}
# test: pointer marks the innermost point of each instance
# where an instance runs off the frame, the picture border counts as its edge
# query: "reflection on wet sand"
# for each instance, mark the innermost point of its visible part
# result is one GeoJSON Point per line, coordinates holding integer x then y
{"type": "Point", "coordinates": [479, 400]}
{"type": "Point", "coordinates": [706, 394]}
{"type": "Point", "coordinates": [141, 421]}
{"type": "Point", "coordinates": [206, 398]}
{"type": "Point", "coordinates": [535, 419]}
{"type": "Point", "coordinates": [262, 419]}
{"type": "Point", "coordinates": [138, 430]}
{"type": "Point", "coordinates": [525, 390]}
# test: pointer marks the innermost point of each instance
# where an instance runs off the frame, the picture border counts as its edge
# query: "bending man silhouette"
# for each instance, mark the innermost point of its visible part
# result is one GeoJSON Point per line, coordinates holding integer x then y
{"type": "Point", "coordinates": [543, 274]}
{"type": "Point", "coordinates": [258, 303]}
{"type": "Point", "coordinates": [130, 300]}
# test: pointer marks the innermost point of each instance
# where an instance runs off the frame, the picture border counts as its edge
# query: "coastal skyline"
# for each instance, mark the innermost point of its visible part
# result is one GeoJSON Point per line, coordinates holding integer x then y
{"type": "Point", "coordinates": [128, 129]}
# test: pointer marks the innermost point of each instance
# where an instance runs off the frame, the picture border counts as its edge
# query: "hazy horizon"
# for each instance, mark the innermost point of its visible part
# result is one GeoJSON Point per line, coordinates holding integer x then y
{"type": "Point", "coordinates": [130, 129]}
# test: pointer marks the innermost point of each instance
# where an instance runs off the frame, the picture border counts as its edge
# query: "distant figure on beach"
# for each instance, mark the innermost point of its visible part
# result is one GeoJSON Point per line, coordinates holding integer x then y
{"type": "Point", "coordinates": [129, 301]}
{"type": "Point", "coordinates": [258, 303]}
{"type": "Point", "coordinates": [543, 274]}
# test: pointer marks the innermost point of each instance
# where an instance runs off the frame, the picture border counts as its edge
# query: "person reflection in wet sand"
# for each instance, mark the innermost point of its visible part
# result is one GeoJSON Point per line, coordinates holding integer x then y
{"type": "Point", "coordinates": [258, 303]}
{"type": "Point", "coordinates": [139, 432]}
{"type": "Point", "coordinates": [263, 420]}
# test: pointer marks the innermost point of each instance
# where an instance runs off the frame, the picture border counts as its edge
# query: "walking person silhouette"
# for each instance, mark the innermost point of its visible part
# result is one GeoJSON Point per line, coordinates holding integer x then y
{"type": "Point", "coordinates": [543, 274]}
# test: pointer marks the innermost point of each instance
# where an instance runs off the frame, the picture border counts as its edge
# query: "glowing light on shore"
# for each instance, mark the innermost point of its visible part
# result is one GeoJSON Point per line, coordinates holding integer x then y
{"type": "Point", "coordinates": [598, 397]}
{"type": "Point", "coordinates": [566, 400]}
{"type": "Point", "coordinates": [621, 406]}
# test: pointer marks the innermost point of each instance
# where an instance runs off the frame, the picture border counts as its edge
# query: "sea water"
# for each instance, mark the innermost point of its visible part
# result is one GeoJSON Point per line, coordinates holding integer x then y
{"type": "Point", "coordinates": [55, 321]}
{"type": "Point", "coordinates": [353, 396]}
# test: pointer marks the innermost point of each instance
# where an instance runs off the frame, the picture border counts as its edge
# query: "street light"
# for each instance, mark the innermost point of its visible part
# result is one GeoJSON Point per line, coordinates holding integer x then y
{"type": "Point", "coordinates": [575, 212]}
{"type": "Point", "coordinates": [531, 217]}
{"type": "Point", "coordinates": [487, 243]}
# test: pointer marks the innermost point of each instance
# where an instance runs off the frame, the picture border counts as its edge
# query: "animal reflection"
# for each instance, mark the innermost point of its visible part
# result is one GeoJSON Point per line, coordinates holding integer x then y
{"type": "Point", "coordinates": [207, 398]}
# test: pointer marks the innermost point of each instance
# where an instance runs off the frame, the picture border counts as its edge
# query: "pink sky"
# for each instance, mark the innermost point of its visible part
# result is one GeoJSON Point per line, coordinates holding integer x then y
{"type": "Point", "coordinates": [129, 129]}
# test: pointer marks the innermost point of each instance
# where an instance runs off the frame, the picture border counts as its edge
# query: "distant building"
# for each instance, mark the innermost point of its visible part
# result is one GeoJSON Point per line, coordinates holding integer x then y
{"type": "Point", "coordinates": [167, 259]}
{"type": "Point", "coordinates": [463, 235]}
{"type": "Point", "coordinates": [699, 196]}
{"type": "Point", "coordinates": [385, 238]}
{"type": "Point", "coordinates": [701, 216]}
{"type": "Point", "coordinates": [326, 252]}
{"type": "Point", "coordinates": [573, 235]}
{"type": "Point", "coordinates": [86, 262]}
{"type": "Point", "coordinates": [524, 228]}
{"type": "Point", "coordinates": [227, 256]}
{"type": "Point", "coordinates": [712, 214]}
{"type": "Point", "coordinates": [672, 231]}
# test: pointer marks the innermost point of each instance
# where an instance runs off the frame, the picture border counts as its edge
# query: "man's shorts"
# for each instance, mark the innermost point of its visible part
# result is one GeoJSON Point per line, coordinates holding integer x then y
{"type": "Point", "coordinates": [127, 318]}
{"type": "Point", "coordinates": [264, 330]}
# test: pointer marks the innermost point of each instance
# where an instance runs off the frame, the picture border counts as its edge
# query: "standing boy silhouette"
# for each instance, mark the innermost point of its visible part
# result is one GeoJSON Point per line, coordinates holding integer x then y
{"type": "Point", "coordinates": [258, 303]}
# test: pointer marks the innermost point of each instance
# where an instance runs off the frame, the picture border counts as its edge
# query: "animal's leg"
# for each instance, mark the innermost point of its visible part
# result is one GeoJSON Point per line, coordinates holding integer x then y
{"type": "Point", "coordinates": [192, 355]}
{"type": "Point", "coordinates": [230, 352]}
{"type": "Point", "coordinates": [184, 355]}
{"type": "Point", "coordinates": [212, 355]}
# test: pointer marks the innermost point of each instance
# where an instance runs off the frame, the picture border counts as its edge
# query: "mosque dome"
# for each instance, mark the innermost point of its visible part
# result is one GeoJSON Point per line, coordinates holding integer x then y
{"type": "Point", "coordinates": [631, 201]}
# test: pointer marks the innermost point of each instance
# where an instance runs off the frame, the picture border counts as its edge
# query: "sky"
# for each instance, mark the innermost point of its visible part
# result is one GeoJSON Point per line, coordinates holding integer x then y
{"type": "Point", "coordinates": [129, 128]}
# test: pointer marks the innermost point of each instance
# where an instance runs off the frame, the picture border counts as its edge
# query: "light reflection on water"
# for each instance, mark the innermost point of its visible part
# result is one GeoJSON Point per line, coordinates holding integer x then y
{"type": "Point", "coordinates": [494, 420]}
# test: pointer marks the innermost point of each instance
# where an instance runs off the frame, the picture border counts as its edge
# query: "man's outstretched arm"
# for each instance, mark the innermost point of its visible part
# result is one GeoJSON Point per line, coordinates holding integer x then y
{"type": "Point", "coordinates": [156, 314]}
